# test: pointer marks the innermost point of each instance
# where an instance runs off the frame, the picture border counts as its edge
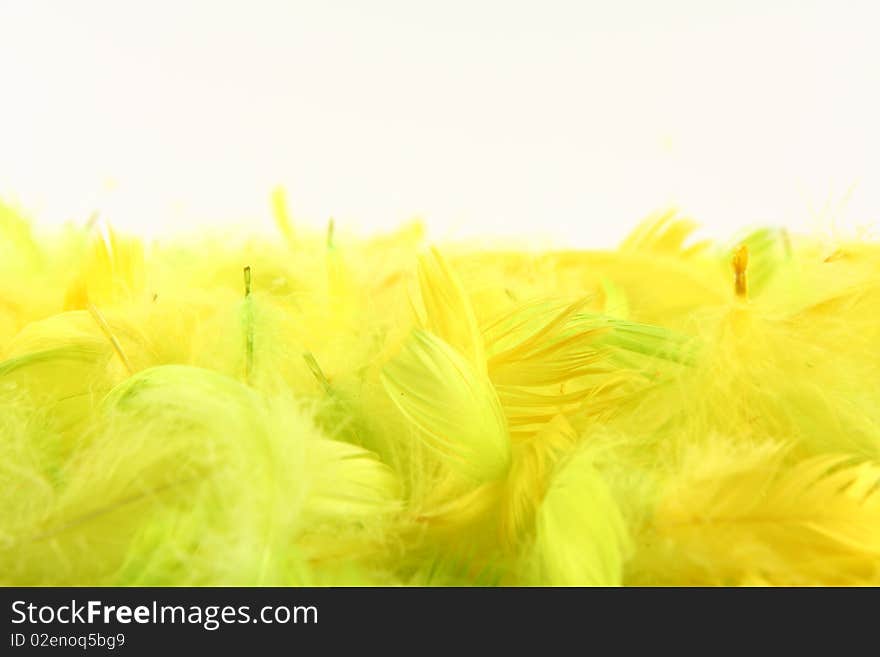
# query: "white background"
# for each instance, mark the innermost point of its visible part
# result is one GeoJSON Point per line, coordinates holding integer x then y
{"type": "Point", "coordinates": [564, 120]}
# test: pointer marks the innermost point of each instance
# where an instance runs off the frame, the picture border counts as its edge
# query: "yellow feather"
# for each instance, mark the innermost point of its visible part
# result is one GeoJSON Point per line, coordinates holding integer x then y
{"type": "Point", "coordinates": [736, 513]}
{"type": "Point", "coordinates": [581, 538]}
{"type": "Point", "coordinates": [448, 311]}
{"type": "Point", "coordinates": [453, 406]}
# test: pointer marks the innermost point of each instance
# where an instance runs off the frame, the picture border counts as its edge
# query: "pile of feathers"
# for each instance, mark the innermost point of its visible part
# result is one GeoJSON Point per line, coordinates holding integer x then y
{"type": "Point", "coordinates": [315, 410]}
